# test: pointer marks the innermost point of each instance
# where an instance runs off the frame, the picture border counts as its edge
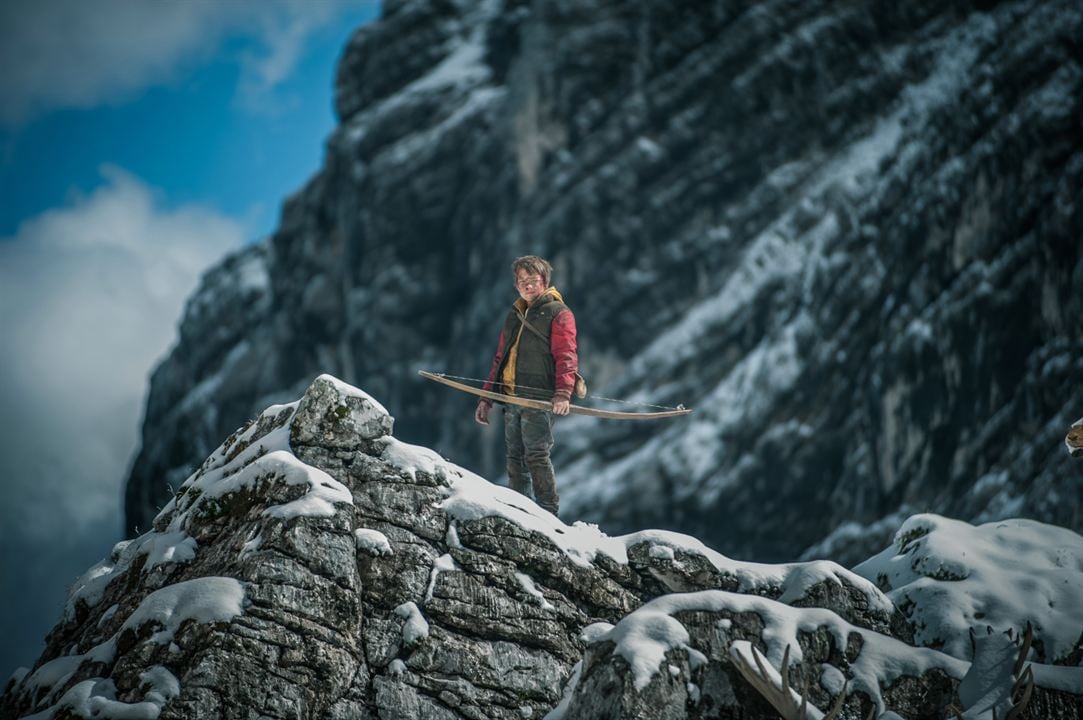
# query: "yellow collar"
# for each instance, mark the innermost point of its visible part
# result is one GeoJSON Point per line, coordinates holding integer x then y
{"type": "Point", "coordinates": [521, 305]}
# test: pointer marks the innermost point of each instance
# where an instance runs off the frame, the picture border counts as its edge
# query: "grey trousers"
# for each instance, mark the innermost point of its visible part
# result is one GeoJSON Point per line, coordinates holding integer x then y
{"type": "Point", "coordinates": [528, 435]}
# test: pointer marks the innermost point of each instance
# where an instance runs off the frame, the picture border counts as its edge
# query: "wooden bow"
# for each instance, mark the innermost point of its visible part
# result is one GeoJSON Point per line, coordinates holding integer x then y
{"type": "Point", "coordinates": [546, 405]}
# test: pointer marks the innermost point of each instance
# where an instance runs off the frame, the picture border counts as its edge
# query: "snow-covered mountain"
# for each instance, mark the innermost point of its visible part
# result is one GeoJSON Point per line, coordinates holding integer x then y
{"type": "Point", "coordinates": [316, 566]}
{"type": "Point", "coordinates": [848, 236]}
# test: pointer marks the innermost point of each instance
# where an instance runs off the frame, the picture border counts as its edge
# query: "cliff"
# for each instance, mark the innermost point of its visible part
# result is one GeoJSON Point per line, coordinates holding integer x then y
{"type": "Point", "coordinates": [847, 235]}
{"type": "Point", "coordinates": [315, 566]}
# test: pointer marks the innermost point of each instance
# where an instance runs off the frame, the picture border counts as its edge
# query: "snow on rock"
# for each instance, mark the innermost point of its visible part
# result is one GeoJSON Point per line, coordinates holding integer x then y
{"type": "Point", "coordinates": [743, 652]}
{"type": "Point", "coordinates": [162, 548]}
{"type": "Point", "coordinates": [644, 637]}
{"type": "Point", "coordinates": [471, 497]}
{"type": "Point", "coordinates": [320, 499]}
{"type": "Point", "coordinates": [205, 600]}
{"type": "Point", "coordinates": [96, 698]}
{"type": "Point", "coordinates": [444, 563]}
{"type": "Point", "coordinates": [336, 414]}
{"type": "Point", "coordinates": [988, 683]}
{"type": "Point", "coordinates": [594, 631]}
{"type": "Point", "coordinates": [163, 686]}
{"type": "Point", "coordinates": [159, 549]}
{"type": "Point", "coordinates": [882, 660]}
{"type": "Point", "coordinates": [415, 629]}
{"type": "Point", "coordinates": [663, 552]}
{"type": "Point", "coordinates": [404, 573]}
{"type": "Point", "coordinates": [527, 583]}
{"type": "Point", "coordinates": [261, 454]}
{"type": "Point", "coordinates": [372, 542]}
{"type": "Point", "coordinates": [172, 606]}
{"type": "Point", "coordinates": [1074, 440]}
{"type": "Point", "coordinates": [560, 712]}
{"type": "Point", "coordinates": [683, 629]}
{"type": "Point", "coordinates": [270, 528]}
{"type": "Point", "coordinates": [948, 576]}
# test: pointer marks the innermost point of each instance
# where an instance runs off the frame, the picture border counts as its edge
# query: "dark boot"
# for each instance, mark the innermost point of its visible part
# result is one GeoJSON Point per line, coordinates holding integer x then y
{"type": "Point", "coordinates": [545, 485]}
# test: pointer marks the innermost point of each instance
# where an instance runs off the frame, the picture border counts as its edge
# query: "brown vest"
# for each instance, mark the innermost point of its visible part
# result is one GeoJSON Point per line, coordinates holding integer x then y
{"type": "Point", "coordinates": [535, 372]}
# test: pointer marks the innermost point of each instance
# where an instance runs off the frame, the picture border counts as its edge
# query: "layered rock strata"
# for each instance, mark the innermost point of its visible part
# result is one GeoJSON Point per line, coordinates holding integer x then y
{"type": "Point", "coordinates": [848, 236]}
{"type": "Point", "coordinates": [314, 566]}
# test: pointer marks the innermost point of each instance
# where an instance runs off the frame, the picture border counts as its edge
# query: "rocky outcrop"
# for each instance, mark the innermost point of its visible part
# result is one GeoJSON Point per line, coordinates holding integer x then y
{"type": "Point", "coordinates": [315, 566]}
{"type": "Point", "coordinates": [848, 236]}
{"type": "Point", "coordinates": [1074, 439]}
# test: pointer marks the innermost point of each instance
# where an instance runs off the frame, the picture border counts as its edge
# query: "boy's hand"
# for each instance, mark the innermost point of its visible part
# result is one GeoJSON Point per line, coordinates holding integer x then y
{"type": "Point", "coordinates": [481, 415]}
{"type": "Point", "coordinates": [561, 407]}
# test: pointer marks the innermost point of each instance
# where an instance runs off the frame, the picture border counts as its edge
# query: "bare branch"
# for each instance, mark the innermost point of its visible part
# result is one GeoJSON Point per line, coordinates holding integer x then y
{"type": "Point", "coordinates": [1027, 678]}
{"type": "Point", "coordinates": [785, 672]}
{"type": "Point", "coordinates": [776, 689]}
{"type": "Point", "coordinates": [837, 707]}
{"type": "Point", "coordinates": [1028, 638]}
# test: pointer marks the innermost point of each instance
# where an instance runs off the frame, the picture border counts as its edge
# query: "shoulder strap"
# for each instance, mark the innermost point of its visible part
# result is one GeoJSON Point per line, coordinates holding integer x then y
{"type": "Point", "coordinates": [531, 328]}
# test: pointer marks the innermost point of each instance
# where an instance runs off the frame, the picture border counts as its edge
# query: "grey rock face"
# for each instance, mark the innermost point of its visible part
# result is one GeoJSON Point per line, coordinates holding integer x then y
{"type": "Point", "coordinates": [349, 591]}
{"type": "Point", "coordinates": [314, 566]}
{"type": "Point", "coordinates": [847, 236]}
{"type": "Point", "coordinates": [700, 679]}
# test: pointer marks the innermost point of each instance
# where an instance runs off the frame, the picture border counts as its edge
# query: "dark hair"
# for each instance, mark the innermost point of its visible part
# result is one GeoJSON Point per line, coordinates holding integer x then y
{"type": "Point", "coordinates": [534, 265]}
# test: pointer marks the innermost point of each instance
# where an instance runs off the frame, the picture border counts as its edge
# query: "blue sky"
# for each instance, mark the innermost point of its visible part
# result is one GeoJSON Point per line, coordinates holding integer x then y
{"type": "Point", "coordinates": [139, 143]}
{"type": "Point", "coordinates": [198, 134]}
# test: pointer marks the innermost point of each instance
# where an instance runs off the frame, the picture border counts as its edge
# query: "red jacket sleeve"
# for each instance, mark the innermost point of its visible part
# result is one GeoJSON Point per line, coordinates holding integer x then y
{"type": "Point", "coordinates": [566, 360]}
{"type": "Point", "coordinates": [492, 371]}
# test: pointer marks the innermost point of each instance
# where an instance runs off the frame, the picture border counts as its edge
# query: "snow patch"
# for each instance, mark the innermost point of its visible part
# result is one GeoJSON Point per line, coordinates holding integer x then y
{"type": "Point", "coordinates": [470, 497]}
{"type": "Point", "coordinates": [592, 632]}
{"type": "Point", "coordinates": [645, 635]}
{"type": "Point", "coordinates": [372, 542]}
{"type": "Point", "coordinates": [163, 685]}
{"type": "Point", "coordinates": [443, 563]}
{"type": "Point", "coordinates": [412, 459]}
{"type": "Point", "coordinates": [416, 628]}
{"type": "Point", "coordinates": [108, 614]}
{"type": "Point", "coordinates": [250, 546]}
{"type": "Point", "coordinates": [661, 552]}
{"type": "Point", "coordinates": [231, 469]}
{"type": "Point", "coordinates": [527, 583]}
{"type": "Point", "coordinates": [950, 576]}
{"type": "Point", "coordinates": [170, 547]}
{"type": "Point", "coordinates": [205, 600]}
{"type": "Point", "coordinates": [96, 698]}
{"type": "Point", "coordinates": [346, 390]}
{"type": "Point", "coordinates": [160, 549]}
{"type": "Point", "coordinates": [561, 710]}
{"type": "Point", "coordinates": [452, 537]}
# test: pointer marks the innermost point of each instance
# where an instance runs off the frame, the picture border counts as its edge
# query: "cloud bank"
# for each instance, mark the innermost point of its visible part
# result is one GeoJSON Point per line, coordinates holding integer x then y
{"type": "Point", "coordinates": [77, 54]}
{"type": "Point", "coordinates": [90, 296]}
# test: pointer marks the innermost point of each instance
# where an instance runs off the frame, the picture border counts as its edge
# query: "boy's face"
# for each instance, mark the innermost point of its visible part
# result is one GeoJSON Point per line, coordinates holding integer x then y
{"type": "Point", "coordinates": [529, 285]}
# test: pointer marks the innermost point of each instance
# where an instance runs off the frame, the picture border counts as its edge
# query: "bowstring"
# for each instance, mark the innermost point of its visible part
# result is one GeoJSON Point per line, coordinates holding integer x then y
{"type": "Point", "coordinates": [594, 397]}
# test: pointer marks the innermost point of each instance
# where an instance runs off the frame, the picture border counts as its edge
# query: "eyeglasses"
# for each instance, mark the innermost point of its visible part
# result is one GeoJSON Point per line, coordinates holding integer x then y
{"type": "Point", "coordinates": [529, 282]}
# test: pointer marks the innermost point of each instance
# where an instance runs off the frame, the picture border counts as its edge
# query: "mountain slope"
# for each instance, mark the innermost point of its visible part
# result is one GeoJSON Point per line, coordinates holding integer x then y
{"type": "Point", "coordinates": [848, 236]}
{"type": "Point", "coordinates": [315, 566]}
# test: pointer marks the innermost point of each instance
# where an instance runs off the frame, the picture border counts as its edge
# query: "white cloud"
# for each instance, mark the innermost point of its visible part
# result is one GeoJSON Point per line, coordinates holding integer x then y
{"type": "Point", "coordinates": [283, 41]}
{"type": "Point", "coordinates": [90, 296]}
{"type": "Point", "coordinates": [79, 54]}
